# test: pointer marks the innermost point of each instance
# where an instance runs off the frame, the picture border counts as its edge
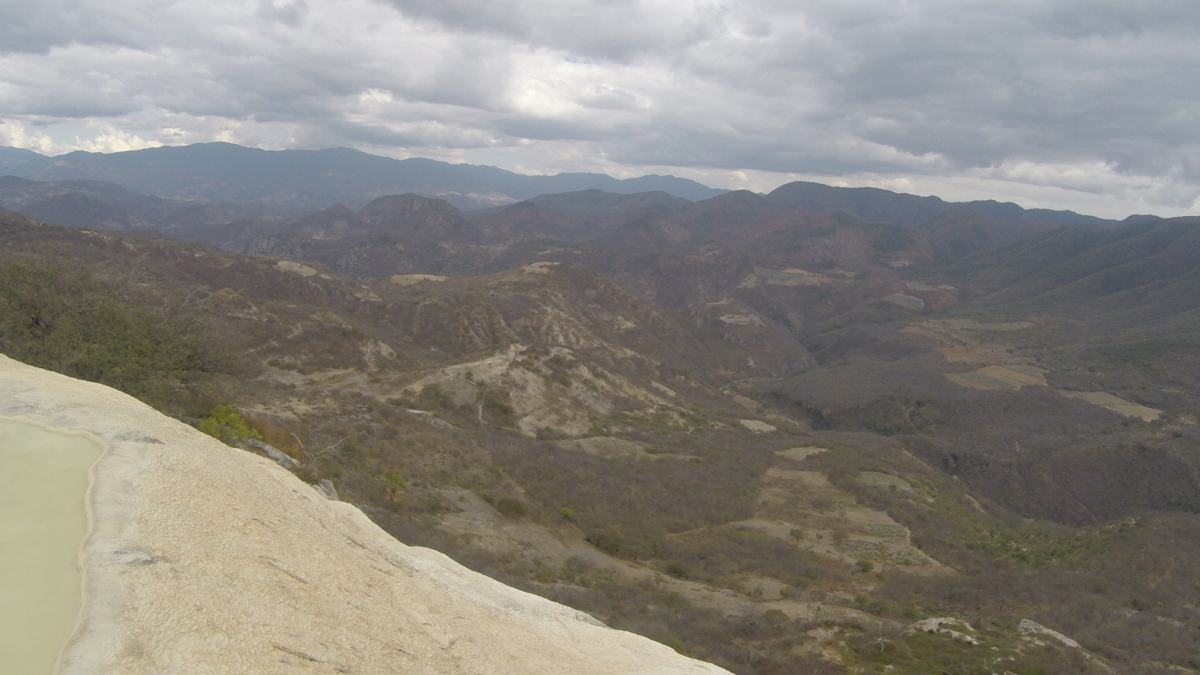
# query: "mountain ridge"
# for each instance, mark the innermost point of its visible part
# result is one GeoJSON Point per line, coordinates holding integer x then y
{"type": "Point", "coordinates": [317, 178]}
{"type": "Point", "coordinates": [299, 181]}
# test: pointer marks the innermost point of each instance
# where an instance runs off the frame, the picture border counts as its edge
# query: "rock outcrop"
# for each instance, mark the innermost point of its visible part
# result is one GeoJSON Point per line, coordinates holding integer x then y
{"type": "Point", "coordinates": [205, 558]}
{"type": "Point", "coordinates": [1035, 630]}
{"type": "Point", "coordinates": [956, 629]}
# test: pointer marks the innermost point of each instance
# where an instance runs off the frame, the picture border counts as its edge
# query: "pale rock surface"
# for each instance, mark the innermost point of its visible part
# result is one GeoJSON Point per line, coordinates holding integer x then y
{"type": "Point", "coordinates": [956, 629]}
{"type": "Point", "coordinates": [1035, 629]}
{"type": "Point", "coordinates": [758, 427]}
{"type": "Point", "coordinates": [208, 559]}
{"type": "Point", "coordinates": [1035, 632]}
{"type": "Point", "coordinates": [281, 458]}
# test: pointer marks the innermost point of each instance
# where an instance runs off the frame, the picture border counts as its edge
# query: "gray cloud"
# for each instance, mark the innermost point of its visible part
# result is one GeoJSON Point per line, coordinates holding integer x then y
{"type": "Point", "coordinates": [289, 13]}
{"type": "Point", "coordinates": [617, 30]}
{"type": "Point", "coordinates": [1089, 97]}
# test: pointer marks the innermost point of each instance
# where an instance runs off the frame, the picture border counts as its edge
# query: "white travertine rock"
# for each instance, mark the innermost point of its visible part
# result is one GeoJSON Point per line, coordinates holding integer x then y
{"type": "Point", "coordinates": [208, 559]}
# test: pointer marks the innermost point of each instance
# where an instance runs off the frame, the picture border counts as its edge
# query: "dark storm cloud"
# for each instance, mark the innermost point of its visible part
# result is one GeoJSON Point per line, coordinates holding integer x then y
{"type": "Point", "coordinates": [1094, 96]}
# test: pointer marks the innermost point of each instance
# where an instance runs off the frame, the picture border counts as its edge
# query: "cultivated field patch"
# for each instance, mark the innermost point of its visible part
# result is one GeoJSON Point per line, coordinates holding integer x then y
{"type": "Point", "coordinates": [905, 301]}
{"type": "Point", "coordinates": [790, 277]}
{"type": "Point", "coordinates": [984, 354]}
{"type": "Point", "coordinates": [1115, 404]}
{"type": "Point", "coordinates": [884, 480]}
{"type": "Point", "coordinates": [413, 279]}
{"type": "Point", "coordinates": [996, 378]}
{"type": "Point", "coordinates": [614, 448]}
{"type": "Point", "coordinates": [802, 453]}
{"type": "Point", "coordinates": [1004, 326]}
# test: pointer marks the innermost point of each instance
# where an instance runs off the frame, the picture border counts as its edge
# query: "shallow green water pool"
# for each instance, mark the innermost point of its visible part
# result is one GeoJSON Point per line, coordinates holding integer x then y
{"type": "Point", "coordinates": [43, 522]}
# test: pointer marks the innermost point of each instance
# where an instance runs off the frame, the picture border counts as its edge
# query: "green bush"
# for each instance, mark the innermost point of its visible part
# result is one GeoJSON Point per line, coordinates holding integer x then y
{"type": "Point", "coordinates": [227, 426]}
{"type": "Point", "coordinates": [512, 508]}
{"type": "Point", "coordinates": [610, 540]}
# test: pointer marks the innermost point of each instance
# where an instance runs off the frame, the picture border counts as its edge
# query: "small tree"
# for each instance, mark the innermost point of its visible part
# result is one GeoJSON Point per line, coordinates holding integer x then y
{"type": "Point", "coordinates": [394, 483]}
{"type": "Point", "coordinates": [227, 426]}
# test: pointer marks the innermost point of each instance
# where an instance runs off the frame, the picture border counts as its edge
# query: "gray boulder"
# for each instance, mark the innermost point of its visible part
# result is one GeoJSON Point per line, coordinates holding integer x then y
{"type": "Point", "coordinates": [282, 458]}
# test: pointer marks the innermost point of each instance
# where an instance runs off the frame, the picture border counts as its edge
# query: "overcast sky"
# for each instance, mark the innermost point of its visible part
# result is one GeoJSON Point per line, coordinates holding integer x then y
{"type": "Point", "coordinates": [1091, 105]}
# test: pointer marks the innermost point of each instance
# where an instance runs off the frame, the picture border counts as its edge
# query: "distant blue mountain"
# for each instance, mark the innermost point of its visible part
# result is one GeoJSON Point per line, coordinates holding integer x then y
{"type": "Point", "coordinates": [306, 180]}
{"type": "Point", "coordinates": [14, 159]}
{"type": "Point", "coordinates": [884, 206]}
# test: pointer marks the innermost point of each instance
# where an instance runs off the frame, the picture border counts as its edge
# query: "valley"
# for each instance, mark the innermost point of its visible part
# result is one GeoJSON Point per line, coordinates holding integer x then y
{"type": "Point", "coordinates": [774, 432]}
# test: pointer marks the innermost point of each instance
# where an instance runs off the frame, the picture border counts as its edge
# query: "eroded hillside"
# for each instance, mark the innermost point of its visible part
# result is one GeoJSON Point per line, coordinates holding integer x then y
{"type": "Point", "coordinates": [772, 439]}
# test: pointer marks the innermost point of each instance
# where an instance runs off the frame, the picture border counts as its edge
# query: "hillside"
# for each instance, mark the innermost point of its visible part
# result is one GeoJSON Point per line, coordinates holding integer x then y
{"type": "Point", "coordinates": [1144, 266]}
{"type": "Point", "coordinates": [773, 439]}
{"type": "Point", "coordinates": [108, 206]}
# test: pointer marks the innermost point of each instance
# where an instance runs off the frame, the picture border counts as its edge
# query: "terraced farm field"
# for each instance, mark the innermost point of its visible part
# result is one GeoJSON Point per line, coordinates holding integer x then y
{"type": "Point", "coordinates": [1115, 404]}
{"type": "Point", "coordinates": [1011, 377]}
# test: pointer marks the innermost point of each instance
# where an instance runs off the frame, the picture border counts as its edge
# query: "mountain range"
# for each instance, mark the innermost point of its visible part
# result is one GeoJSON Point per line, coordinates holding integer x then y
{"type": "Point", "coordinates": [298, 180]}
{"type": "Point", "coordinates": [295, 181]}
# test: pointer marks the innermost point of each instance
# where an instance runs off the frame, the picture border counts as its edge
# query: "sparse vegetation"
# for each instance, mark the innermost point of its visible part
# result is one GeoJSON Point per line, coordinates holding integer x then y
{"type": "Point", "coordinates": [1046, 507]}
{"type": "Point", "coordinates": [74, 322]}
